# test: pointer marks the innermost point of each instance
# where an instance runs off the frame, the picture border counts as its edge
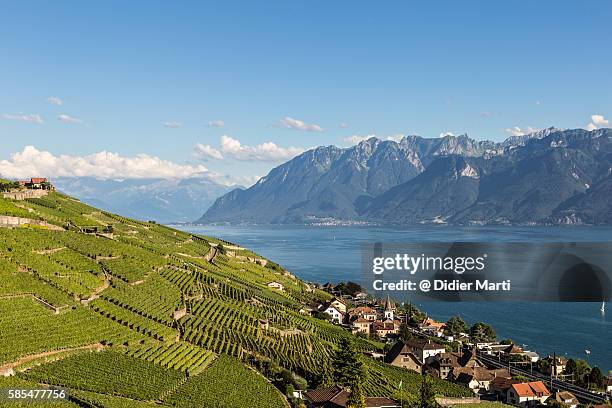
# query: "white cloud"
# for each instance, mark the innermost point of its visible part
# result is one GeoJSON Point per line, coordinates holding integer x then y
{"type": "Point", "coordinates": [216, 123]}
{"type": "Point", "coordinates": [517, 131]}
{"type": "Point", "coordinates": [296, 124]}
{"type": "Point", "coordinates": [344, 125]}
{"type": "Point", "coordinates": [31, 117]}
{"type": "Point", "coordinates": [267, 151]}
{"type": "Point", "coordinates": [173, 124]}
{"type": "Point", "coordinates": [54, 100]}
{"type": "Point", "coordinates": [597, 121]}
{"type": "Point", "coordinates": [104, 165]}
{"type": "Point", "coordinates": [233, 148]}
{"type": "Point", "coordinates": [68, 119]}
{"type": "Point", "coordinates": [207, 151]}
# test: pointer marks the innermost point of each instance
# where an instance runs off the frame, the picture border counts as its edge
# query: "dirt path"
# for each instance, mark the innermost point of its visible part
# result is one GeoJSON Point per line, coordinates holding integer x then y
{"type": "Point", "coordinates": [9, 366]}
{"type": "Point", "coordinates": [49, 251]}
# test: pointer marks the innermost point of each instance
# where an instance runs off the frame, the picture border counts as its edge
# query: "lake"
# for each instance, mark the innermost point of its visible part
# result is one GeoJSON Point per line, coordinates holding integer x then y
{"type": "Point", "coordinates": [332, 254]}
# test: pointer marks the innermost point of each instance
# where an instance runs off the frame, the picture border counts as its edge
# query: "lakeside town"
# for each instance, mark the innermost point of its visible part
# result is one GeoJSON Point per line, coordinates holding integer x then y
{"type": "Point", "coordinates": [473, 357]}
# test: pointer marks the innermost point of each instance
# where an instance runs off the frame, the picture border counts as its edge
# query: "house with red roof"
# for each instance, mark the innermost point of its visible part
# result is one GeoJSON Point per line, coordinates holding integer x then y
{"type": "Point", "coordinates": [527, 394]}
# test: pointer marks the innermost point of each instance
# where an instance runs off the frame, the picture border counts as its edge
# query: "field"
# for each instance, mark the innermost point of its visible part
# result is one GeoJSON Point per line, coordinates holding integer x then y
{"type": "Point", "coordinates": [128, 313]}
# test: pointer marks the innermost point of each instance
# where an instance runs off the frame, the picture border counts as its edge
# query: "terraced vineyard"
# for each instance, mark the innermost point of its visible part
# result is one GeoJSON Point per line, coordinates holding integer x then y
{"type": "Point", "coordinates": [124, 313]}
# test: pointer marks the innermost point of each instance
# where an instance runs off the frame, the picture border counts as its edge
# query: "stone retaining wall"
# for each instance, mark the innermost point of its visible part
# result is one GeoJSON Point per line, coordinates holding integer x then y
{"type": "Point", "coordinates": [13, 222]}
{"type": "Point", "coordinates": [22, 195]}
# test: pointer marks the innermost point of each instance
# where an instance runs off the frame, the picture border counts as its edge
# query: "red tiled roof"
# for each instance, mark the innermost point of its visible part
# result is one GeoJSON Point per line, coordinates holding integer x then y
{"type": "Point", "coordinates": [523, 390]}
{"type": "Point", "coordinates": [501, 383]}
{"type": "Point", "coordinates": [36, 180]}
{"type": "Point", "coordinates": [323, 394]}
{"type": "Point", "coordinates": [531, 389]}
{"type": "Point", "coordinates": [539, 388]}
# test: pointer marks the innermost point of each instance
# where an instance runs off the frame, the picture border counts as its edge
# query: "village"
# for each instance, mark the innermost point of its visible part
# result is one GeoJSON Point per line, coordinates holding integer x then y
{"type": "Point", "coordinates": [494, 370]}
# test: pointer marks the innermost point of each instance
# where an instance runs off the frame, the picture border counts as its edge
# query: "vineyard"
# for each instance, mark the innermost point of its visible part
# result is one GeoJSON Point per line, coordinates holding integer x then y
{"type": "Point", "coordinates": [177, 316]}
{"type": "Point", "coordinates": [108, 372]}
{"type": "Point", "coordinates": [217, 388]}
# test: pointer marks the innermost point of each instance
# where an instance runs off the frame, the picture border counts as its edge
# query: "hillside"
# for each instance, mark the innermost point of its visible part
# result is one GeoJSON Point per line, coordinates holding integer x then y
{"type": "Point", "coordinates": [548, 177]}
{"type": "Point", "coordinates": [125, 313]}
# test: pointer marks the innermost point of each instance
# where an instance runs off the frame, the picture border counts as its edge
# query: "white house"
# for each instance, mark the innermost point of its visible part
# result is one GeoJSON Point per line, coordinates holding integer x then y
{"type": "Point", "coordinates": [609, 386]}
{"type": "Point", "coordinates": [336, 315]}
{"type": "Point", "coordinates": [425, 349]}
{"type": "Point", "coordinates": [338, 304]}
{"type": "Point", "coordinates": [276, 285]}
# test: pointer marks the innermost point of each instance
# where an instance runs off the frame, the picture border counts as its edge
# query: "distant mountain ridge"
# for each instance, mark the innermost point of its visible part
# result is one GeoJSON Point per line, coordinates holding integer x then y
{"type": "Point", "coordinates": [552, 176]}
{"type": "Point", "coordinates": [162, 200]}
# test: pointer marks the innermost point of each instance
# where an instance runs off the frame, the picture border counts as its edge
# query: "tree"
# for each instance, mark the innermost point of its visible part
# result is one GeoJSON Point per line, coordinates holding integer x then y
{"type": "Point", "coordinates": [570, 368]}
{"type": "Point", "coordinates": [413, 314]}
{"type": "Point", "coordinates": [427, 396]}
{"type": "Point", "coordinates": [322, 316]}
{"type": "Point", "coordinates": [596, 377]}
{"type": "Point", "coordinates": [455, 325]}
{"type": "Point", "coordinates": [582, 371]}
{"type": "Point", "coordinates": [356, 399]}
{"type": "Point", "coordinates": [482, 332]}
{"type": "Point", "coordinates": [405, 333]}
{"type": "Point", "coordinates": [349, 288]}
{"type": "Point", "coordinates": [347, 365]}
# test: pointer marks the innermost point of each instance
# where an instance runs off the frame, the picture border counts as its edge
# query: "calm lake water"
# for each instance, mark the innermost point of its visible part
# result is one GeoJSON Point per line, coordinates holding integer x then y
{"type": "Point", "coordinates": [322, 254]}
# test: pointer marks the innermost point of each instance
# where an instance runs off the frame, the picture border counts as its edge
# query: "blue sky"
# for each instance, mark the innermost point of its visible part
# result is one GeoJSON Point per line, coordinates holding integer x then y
{"type": "Point", "coordinates": [159, 78]}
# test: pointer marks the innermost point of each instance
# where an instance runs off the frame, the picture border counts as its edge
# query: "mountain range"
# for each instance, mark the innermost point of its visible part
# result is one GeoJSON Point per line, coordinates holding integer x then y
{"type": "Point", "coordinates": [162, 200]}
{"type": "Point", "coordinates": [551, 176]}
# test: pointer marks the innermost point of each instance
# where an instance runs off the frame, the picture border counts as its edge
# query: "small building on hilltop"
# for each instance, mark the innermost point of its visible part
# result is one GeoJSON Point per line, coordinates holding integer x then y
{"type": "Point", "coordinates": [276, 285]}
{"type": "Point", "coordinates": [337, 397]}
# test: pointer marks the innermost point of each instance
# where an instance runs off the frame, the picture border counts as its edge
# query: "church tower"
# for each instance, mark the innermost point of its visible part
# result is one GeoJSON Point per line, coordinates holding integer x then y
{"type": "Point", "coordinates": [389, 308]}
